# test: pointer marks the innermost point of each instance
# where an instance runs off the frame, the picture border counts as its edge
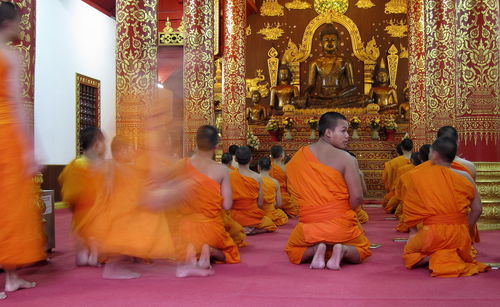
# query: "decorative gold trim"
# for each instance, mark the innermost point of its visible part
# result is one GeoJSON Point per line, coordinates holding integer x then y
{"type": "Point", "coordinates": [488, 186]}
{"type": "Point", "coordinates": [297, 5]}
{"type": "Point", "coordinates": [365, 4]}
{"type": "Point", "coordinates": [392, 61]}
{"type": "Point", "coordinates": [82, 79]}
{"type": "Point", "coordinates": [271, 32]}
{"type": "Point", "coordinates": [216, 26]}
{"type": "Point", "coordinates": [396, 28]}
{"type": "Point", "coordinates": [252, 84]}
{"type": "Point", "coordinates": [271, 8]}
{"type": "Point", "coordinates": [322, 6]}
{"type": "Point", "coordinates": [272, 66]}
{"type": "Point", "coordinates": [403, 54]}
{"type": "Point", "coordinates": [170, 37]}
{"type": "Point", "coordinates": [396, 7]}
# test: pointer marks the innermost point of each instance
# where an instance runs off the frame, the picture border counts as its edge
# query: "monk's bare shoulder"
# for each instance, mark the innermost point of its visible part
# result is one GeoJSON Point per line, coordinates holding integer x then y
{"type": "Point", "coordinates": [464, 174]}
{"type": "Point", "coordinates": [276, 182]}
{"type": "Point", "coordinates": [468, 164]}
{"type": "Point", "coordinates": [219, 170]}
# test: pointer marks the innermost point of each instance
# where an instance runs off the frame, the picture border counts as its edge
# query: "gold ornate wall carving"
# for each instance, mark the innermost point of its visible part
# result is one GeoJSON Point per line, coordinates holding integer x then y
{"type": "Point", "coordinates": [272, 66]}
{"type": "Point", "coordinates": [257, 84]}
{"type": "Point", "coordinates": [271, 8]}
{"type": "Point", "coordinates": [392, 61]}
{"type": "Point", "coordinates": [170, 36]}
{"type": "Point", "coordinates": [297, 5]}
{"type": "Point", "coordinates": [271, 31]}
{"type": "Point", "coordinates": [365, 4]}
{"type": "Point", "coordinates": [198, 68]}
{"type": "Point", "coordinates": [396, 7]}
{"type": "Point", "coordinates": [323, 6]}
{"type": "Point", "coordinates": [136, 64]}
{"type": "Point", "coordinates": [396, 28]}
{"type": "Point", "coordinates": [488, 185]}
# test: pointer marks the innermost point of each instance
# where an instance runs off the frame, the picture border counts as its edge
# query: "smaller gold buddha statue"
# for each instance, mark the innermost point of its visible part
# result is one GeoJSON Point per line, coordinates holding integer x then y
{"type": "Point", "coordinates": [284, 93]}
{"type": "Point", "coordinates": [404, 108]}
{"type": "Point", "coordinates": [256, 112]}
{"type": "Point", "coordinates": [382, 94]}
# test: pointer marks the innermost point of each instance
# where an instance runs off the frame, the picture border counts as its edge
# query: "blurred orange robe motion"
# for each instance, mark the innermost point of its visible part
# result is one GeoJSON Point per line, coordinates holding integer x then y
{"type": "Point", "coordinates": [394, 201]}
{"type": "Point", "coordinates": [288, 204]}
{"type": "Point", "coordinates": [245, 210]}
{"type": "Point", "coordinates": [201, 216]}
{"type": "Point", "coordinates": [118, 225]}
{"type": "Point", "coordinates": [389, 176]}
{"type": "Point", "coordinates": [440, 199]}
{"type": "Point", "coordinates": [275, 214]}
{"type": "Point", "coordinates": [325, 214]}
{"type": "Point", "coordinates": [21, 234]}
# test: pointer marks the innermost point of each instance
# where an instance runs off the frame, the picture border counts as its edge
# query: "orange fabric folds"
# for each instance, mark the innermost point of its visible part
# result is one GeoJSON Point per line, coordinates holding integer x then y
{"type": "Point", "coordinates": [289, 204]}
{"type": "Point", "coordinates": [440, 199]}
{"type": "Point", "coordinates": [325, 214]}
{"type": "Point", "coordinates": [202, 220]}
{"type": "Point", "coordinates": [21, 235]}
{"type": "Point", "coordinates": [275, 214]}
{"type": "Point", "coordinates": [245, 194]}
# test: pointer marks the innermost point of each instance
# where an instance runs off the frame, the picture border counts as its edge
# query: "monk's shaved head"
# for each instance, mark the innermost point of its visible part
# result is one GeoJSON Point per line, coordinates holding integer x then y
{"type": "Point", "coordinates": [446, 147]}
{"type": "Point", "coordinates": [232, 149]}
{"type": "Point", "coordinates": [207, 138]}
{"type": "Point", "coordinates": [226, 158]}
{"type": "Point", "coordinates": [448, 131]}
{"type": "Point", "coordinates": [276, 151]}
{"type": "Point", "coordinates": [265, 164]}
{"type": "Point", "coordinates": [407, 145]}
{"type": "Point", "coordinates": [399, 150]}
{"type": "Point", "coordinates": [243, 155]}
{"type": "Point", "coordinates": [329, 120]}
{"type": "Point", "coordinates": [415, 159]}
{"type": "Point", "coordinates": [89, 136]}
{"type": "Point", "coordinates": [423, 152]}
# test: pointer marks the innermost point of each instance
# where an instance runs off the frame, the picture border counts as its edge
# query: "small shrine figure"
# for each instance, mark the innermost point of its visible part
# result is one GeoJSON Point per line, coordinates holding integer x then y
{"type": "Point", "coordinates": [383, 95]}
{"type": "Point", "coordinates": [404, 108]}
{"type": "Point", "coordinates": [256, 112]}
{"type": "Point", "coordinates": [284, 93]}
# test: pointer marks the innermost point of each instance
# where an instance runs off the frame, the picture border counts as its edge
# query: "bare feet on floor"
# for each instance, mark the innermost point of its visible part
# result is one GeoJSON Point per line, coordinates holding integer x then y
{"type": "Point", "coordinates": [318, 261]}
{"type": "Point", "coordinates": [338, 253]}
{"type": "Point", "coordinates": [117, 270]}
{"type": "Point", "coordinates": [192, 271]}
{"type": "Point", "coordinates": [86, 258]}
{"type": "Point", "coordinates": [204, 261]}
{"type": "Point", "coordinates": [2, 295]}
{"type": "Point", "coordinates": [13, 282]}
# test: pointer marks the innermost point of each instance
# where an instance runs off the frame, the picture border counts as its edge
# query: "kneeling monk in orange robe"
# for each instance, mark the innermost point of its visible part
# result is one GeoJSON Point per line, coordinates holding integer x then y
{"type": "Point", "coordinates": [202, 225]}
{"type": "Point", "coordinates": [446, 201]}
{"type": "Point", "coordinates": [272, 194]}
{"type": "Point", "coordinates": [21, 234]}
{"type": "Point", "coordinates": [248, 196]}
{"type": "Point", "coordinates": [325, 181]}
{"type": "Point", "coordinates": [278, 172]}
{"type": "Point", "coordinates": [80, 182]}
{"type": "Point", "coordinates": [389, 175]}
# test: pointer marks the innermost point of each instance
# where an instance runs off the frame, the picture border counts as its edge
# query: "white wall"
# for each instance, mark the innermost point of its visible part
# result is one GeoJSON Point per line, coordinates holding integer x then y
{"type": "Point", "coordinates": [71, 37]}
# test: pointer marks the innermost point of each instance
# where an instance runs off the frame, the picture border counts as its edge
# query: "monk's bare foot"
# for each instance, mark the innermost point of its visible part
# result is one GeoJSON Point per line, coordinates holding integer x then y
{"type": "Point", "coordinates": [191, 256]}
{"type": "Point", "coordinates": [3, 295]}
{"type": "Point", "coordinates": [204, 261]}
{"type": "Point", "coordinates": [318, 261]}
{"type": "Point", "coordinates": [13, 282]}
{"type": "Point", "coordinates": [82, 257]}
{"type": "Point", "coordinates": [116, 270]}
{"type": "Point", "coordinates": [192, 271]}
{"type": "Point", "coordinates": [337, 256]}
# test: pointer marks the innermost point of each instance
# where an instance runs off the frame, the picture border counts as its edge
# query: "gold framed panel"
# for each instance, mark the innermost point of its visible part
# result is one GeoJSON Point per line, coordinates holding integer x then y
{"type": "Point", "coordinates": [85, 80]}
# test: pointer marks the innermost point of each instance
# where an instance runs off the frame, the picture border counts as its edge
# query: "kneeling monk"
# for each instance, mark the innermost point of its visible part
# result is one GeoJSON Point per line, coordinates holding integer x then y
{"type": "Point", "coordinates": [202, 224]}
{"type": "Point", "coordinates": [325, 181]}
{"type": "Point", "coordinates": [248, 196]}
{"type": "Point", "coordinates": [441, 198]}
{"type": "Point", "coordinates": [272, 194]}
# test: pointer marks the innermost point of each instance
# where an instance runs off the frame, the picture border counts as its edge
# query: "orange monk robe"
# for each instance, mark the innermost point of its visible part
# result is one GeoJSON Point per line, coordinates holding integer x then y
{"type": "Point", "coordinates": [118, 225]}
{"type": "Point", "coordinates": [389, 176]}
{"type": "Point", "coordinates": [288, 204]}
{"type": "Point", "coordinates": [232, 168]}
{"type": "Point", "coordinates": [325, 214]}
{"type": "Point", "coordinates": [394, 201]}
{"type": "Point", "coordinates": [235, 230]}
{"type": "Point", "coordinates": [21, 234]}
{"type": "Point", "coordinates": [202, 222]}
{"type": "Point", "coordinates": [245, 210]}
{"type": "Point", "coordinates": [361, 214]}
{"type": "Point", "coordinates": [80, 183]}
{"type": "Point", "coordinates": [440, 199]}
{"type": "Point", "coordinates": [275, 214]}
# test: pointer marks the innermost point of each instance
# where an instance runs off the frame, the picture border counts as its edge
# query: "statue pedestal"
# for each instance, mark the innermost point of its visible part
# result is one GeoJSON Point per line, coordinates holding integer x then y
{"type": "Point", "coordinates": [356, 101]}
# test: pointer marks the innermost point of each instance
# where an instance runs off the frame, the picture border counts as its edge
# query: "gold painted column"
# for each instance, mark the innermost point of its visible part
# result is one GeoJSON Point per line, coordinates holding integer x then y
{"type": "Point", "coordinates": [234, 125]}
{"type": "Point", "coordinates": [136, 64]}
{"type": "Point", "coordinates": [198, 68]}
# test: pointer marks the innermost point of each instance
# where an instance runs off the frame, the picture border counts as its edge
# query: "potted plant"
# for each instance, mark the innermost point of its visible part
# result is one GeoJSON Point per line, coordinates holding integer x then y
{"type": "Point", "coordinates": [252, 140]}
{"type": "Point", "coordinates": [355, 122]}
{"type": "Point", "coordinates": [288, 124]}
{"type": "Point", "coordinates": [375, 126]}
{"type": "Point", "coordinates": [390, 126]}
{"type": "Point", "coordinates": [273, 128]}
{"type": "Point", "coordinates": [313, 125]}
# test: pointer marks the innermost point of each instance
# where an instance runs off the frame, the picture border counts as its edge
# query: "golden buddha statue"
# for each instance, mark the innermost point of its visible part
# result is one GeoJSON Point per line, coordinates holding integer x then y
{"type": "Point", "coordinates": [256, 112]}
{"type": "Point", "coordinates": [404, 108]}
{"type": "Point", "coordinates": [382, 94]}
{"type": "Point", "coordinates": [330, 79]}
{"type": "Point", "coordinates": [284, 93]}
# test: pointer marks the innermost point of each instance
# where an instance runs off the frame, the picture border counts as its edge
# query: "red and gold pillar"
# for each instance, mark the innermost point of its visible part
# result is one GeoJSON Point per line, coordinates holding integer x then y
{"type": "Point", "coordinates": [234, 125]}
{"type": "Point", "coordinates": [198, 68]}
{"type": "Point", "coordinates": [136, 64]}
{"type": "Point", "coordinates": [26, 48]}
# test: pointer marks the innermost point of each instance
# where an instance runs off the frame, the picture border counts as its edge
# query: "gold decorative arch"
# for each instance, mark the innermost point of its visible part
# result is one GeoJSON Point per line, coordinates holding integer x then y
{"type": "Point", "coordinates": [368, 53]}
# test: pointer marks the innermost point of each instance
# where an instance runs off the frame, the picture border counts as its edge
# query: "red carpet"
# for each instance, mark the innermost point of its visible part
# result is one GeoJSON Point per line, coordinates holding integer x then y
{"type": "Point", "coordinates": [265, 278]}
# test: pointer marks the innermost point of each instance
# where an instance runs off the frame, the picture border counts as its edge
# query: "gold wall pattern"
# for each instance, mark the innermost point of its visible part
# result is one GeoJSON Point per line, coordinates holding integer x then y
{"type": "Point", "coordinates": [272, 66]}
{"type": "Point", "coordinates": [198, 68]}
{"type": "Point", "coordinates": [271, 8]}
{"type": "Point", "coordinates": [271, 31]}
{"type": "Point", "coordinates": [26, 49]}
{"type": "Point", "coordinates": [136, 64]}
{"type": "Point", "coordinates": [396, 28]}
{"type": "Point", "coordinates": [297, 5]}
{"type": "Point", "coordinates": [392, 61]}
{"type": "Point", "coordinates": [323, 6]}
{"type": "Point", "coordinates": [365, 4]}
{"type": "Point", "coordinates": [395, 7]}
{"type": "Point", "coordinates": [234, 126]}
